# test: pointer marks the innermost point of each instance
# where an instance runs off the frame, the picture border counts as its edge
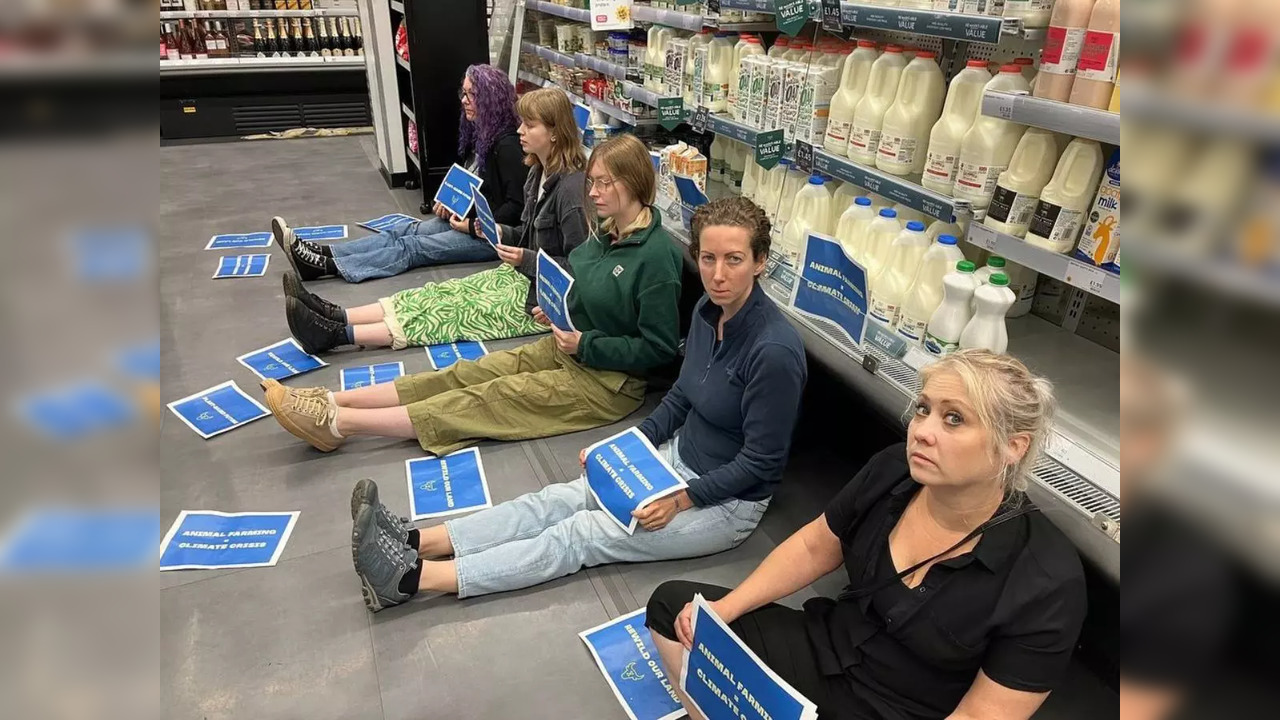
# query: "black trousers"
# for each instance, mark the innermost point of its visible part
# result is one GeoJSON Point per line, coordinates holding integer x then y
{"type": "Point", "coordinates": [777, 635]}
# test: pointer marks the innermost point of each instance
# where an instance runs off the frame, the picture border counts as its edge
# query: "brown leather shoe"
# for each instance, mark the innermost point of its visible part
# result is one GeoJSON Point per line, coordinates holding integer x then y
{"type": "Point", "coordinates": [306, 414]}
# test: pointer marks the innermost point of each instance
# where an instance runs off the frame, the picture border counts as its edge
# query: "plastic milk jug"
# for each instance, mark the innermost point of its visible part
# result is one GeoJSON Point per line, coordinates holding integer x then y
{"type": "Point", "coordinates": [841, 198]}
{"type": "Point", "coordinates": [718, 160]}
{"type": "Point", "coordinates": [905, 132]}
{"type": "Point", "coordinates": [754, 179]}
{"type": "Point", "coordinates": [853, 83]}
{"type": "Point", "coordinates": [780, 47]}
{"type": "Point", "coordinates": [868, 118]}
{"type": "Point", "coordinates": [742, 79]}
{"type": "Point", "coordinates": [907, 214]}
{"type": "Point", "coordinates": [812, 214]}
{"type": "Point", "coordinates": [1018, 188]}
{"type": "Point", "coordinates": [1100, 241]}
{"type": "Point", "coordinates": [655, 55]}
{"type": "Point", "coordinates": [942, 335]}
{"type": "Point", "coordinates": [737, 165]}
{"type": "Point", "coordinates": [716, 77]}
{"type": "Point", "coordinates": [851, 229]}
{"type": "Point", "coordinates": [1022, 282]}
{"type": "Point", "coordinates": [889, 286]}
{"type": "Point", "coordinates": [1062, 45]}
{"type": "Point", "coordinates": [1059, 216]}
{"type": "Point", "coordinates": [1099, 57]}
{"type": "Point", "coordinates": [958, 112]}
{"type": "Point", "coordinates": [987, 147]}
{"type": "Point", "coordinates": [986, 328]}
{"type": "Point", "coordinates": [792, 183]}
{"type": "Point", "coordinates": [769, 195]}
{"type": "Point", "coordinates": [925, 293]}
{"type": "Point", "coordinates": [877, 241]}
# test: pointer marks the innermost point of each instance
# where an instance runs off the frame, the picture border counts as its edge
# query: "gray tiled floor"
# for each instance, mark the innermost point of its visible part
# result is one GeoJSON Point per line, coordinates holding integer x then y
{"type": "Point", "coordinates": [295, 640]}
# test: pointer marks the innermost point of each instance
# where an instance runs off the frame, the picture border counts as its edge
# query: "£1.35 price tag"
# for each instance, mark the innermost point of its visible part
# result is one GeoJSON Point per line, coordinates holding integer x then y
{"type": "Point", "coordinates": [1086, 277]}
{"type": "Point", "coordinates": [700, 119]}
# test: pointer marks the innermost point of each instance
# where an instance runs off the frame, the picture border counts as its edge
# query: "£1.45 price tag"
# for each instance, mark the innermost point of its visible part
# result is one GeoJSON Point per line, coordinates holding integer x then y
{"type": "Point", "coordinates": [831, 16]}
{"type": "Point", "coordinates": [1086, 277]}
{"type": "Point", "coordinates": [803, 155]}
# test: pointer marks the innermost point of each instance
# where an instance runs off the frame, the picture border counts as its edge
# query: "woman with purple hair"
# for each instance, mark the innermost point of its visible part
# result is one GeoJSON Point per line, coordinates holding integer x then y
{"type": "Point", "coordinates": [490, 148]}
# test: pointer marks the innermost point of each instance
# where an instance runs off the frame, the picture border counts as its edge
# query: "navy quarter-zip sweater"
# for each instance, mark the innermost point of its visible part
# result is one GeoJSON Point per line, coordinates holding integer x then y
{"type": "Point", "coordinates": [735, 405]}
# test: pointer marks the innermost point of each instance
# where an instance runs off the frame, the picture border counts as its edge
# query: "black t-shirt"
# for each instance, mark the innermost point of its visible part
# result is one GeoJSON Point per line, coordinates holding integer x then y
{"type": "Point", "coordinates": [1011, 607]}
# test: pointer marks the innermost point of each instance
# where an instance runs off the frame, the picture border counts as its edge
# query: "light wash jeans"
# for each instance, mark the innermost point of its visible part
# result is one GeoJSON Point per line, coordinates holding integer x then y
{"type": "Point", "coordinates": [407, 246]}
{"type": "Point", "coordinates": [561, 529]}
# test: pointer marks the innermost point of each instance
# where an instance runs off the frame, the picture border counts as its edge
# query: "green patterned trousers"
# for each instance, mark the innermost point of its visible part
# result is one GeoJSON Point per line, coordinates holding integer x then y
{"type": "Point", "coordinates": [488, 305]}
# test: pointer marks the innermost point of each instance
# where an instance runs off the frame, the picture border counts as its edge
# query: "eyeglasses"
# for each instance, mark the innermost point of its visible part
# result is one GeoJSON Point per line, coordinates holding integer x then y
{"type": "Point", "coordinates": [465, 95]}
{"type": "Point", "coordinates": [602, 183]}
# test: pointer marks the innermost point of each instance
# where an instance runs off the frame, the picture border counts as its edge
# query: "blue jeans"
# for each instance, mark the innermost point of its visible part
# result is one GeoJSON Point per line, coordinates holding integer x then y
{"type": "Point", "coordinates": [561, 529]}
{"type": "Point", "coordinates": [407, 246]}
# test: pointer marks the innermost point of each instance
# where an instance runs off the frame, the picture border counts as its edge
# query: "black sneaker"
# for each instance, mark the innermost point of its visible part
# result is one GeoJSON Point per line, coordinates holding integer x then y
{"type": "Point", "coordinates": [314, 332]}
{"type": "Point", "coordinates": [307, 261]}
{"type": "Point", "coordinates": [293, 288]}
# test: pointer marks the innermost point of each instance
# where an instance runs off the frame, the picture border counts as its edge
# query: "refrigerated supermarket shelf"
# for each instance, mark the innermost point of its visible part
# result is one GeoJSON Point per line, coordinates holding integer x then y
{"type": "Point", "coordinates": [897, 189]}
{"type": "Point", "coordinates": [548, 54]}
{"type": "Point", "coordinates": [219, 14]}
{"type": "Point", "coordinates": [215, 66]}
{"type": "Point", "coordinates": [604, 67]}
{"type": "Point", "coordinates": [1076, 120]}
{"type": "Point", "coordinates": [550, 8]}
{"type": "Point", "coordinates": [670, 18]}
{"type": "Point", "coordinates": [1076, 273]}
{"type": "Point", "coordinates": [1155, 105]}
{"type": "Point", "coordinates": [948, 25]}
{"type": "Point", "coordinates": [760, 6]}
{"type": "Point", "coordinates": [604, 107]}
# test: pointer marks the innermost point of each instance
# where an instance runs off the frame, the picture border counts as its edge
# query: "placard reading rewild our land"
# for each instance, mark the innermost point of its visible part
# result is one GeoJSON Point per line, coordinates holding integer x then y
{"type": "Point", "coordinates": [628, 659]}
{"type": "Point", "coordinates": [447, 485]}
{"type": "Point", "coordinates": [625, 473]}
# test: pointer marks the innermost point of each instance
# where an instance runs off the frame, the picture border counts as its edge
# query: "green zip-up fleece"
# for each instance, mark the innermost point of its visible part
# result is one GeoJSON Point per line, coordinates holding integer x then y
{"type": "Point", "coordinates": [625, 299]}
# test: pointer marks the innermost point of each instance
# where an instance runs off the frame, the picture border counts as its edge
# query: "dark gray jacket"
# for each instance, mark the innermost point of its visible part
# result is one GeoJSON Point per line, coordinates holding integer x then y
{"type": "Point", "coordinates": [556, 225]}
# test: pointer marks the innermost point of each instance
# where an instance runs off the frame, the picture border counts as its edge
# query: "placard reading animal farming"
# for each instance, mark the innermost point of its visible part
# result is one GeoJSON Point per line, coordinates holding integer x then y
{"type": "Point", "coordinates": [442, 356]}
{"type": "Point", "coordinates": [239, 240]}
{"type": "Point", "coordinates": [726, 681]}
{"type": "Point", "coordinates": [625, 473]}
{"type": "Point", "coordinates": [554, 285]}
{"type": "Point", "coordinates": [207, 539]}
{"type": "Point", "coordinates": [624, 651]}
{"type": "Point", "coordinates": [321, 232]}
{"type": "Point", "coordinates": [386, 222]}
{"type": "Point", "coordinates": [365, 375]}
{"type": "Point", "coordinates": [218, 409]}
{"type": "Point", "coordinates": [447, 485]}
{"type": "Point", "coordinates": [832, 286]}
{"type": "Point", "coordinates": [242, 266]}
{"type": "Point", "coordinates": [458, 190]}
{"type": "Point", "coordinates": [281, 360]}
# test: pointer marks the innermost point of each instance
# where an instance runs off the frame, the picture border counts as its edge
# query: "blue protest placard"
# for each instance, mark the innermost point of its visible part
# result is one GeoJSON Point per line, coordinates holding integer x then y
{"type": "Point", "coordinates": [366, 375]}
{"type": "Point", "coordinates": [321, 232]}
{"type": "Point", "coordinates": [725, 680]}
{"type": "Point", "coordinates": [207, 540]}
{"type": "Point", "coordinates": [488, 225]}
{"type": "Point", "coordinates": [76, 411]}
{"type": "Point", "coordinates": [626, 473]}
{"type": "Point", "coordinates": [242, 266]}
{"type": "Point", "coordinates": [110, 255]}
{"type": "Point", "coordinates": [832, 286]}
{"type": "Point", "coordinates": [141, 362]}
{"type": "Point", "coordinates": [218, 409]}
{"type": "Point", "coordinates": [554, 285]}
{"type": "Point", "coordinates": [239, 240]}
{"type": "Point", "coordinates": [444, 355]}
{"type": "Point", "coordinates": [447, 485]}
{"type": "Point", "coordinates": [281, 360]}
{"type": "Point", "coordinates": [81, 539]}
{"type": "Point", "coordinates": [386, 222]}
{"type": "Point", "coordinates": [624, 651]}
{"type": "Point", "coordinates": [458, 190]}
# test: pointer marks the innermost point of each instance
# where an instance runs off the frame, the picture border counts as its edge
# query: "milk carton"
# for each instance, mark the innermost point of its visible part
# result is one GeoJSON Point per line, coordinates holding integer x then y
{"type": "Point", "coordinates": [673, 71]}
{"type": "Point", "coordinates": [793, 83]}
{"type": "Point", "coordinates": [757, 89]}
{"type": "Point", "coordinates": [821, 84]}
{"type": "Point", "coordinates": [1100, 243]}
{"type": "Point", "coordinates": [773, 97]}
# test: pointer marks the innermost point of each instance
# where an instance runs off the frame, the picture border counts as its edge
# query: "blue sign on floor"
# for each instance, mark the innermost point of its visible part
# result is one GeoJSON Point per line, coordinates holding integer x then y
{"type": "Point", "coordinates": [70, 539]}
{"type": "Point", "coordinates": [73, 412]}
{"type": "Point", "coordinates": [281, 360]}
{"type": "Point", "coordinates": [442, 356]}
{"type": "Point", "coordinates": [218, 409]}
{"type": "Point", "coordinates": [365, 375]}
{"type": "Point", "coordinates": [832, 286]}
{"type": "Point", "coordinates": [554, 285]}
{"type": "Point", "coordinates": [386, 222]}
{"type": "Point", "coordinates": [141, 362]}
{"type": "Point", "coordinates": [111, 255]}
{"type": "Point", "coordinates": [242, 266]}
{"type": "Point", "coordinates": [239, 240]}
{"type": "Point", "coordinates": [625, 473]}
{"type": "Point", "coordinates": [207, 540]}
{"type": "Point", "coordinates": [624, 651]}
{"type": "Point", "coordinates": [458, 190]}
{"type": "Point", "coordinates": [321, 232]}
{"type": "Point", "coordinates": [488, 225]}
{"type": "Point", "coordinates": [726, 681]}
{"type": "Point", "coordinates": [447, 485]}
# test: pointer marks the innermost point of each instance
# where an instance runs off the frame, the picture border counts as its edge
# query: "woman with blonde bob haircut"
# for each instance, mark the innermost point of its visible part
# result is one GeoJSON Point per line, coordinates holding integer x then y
{"type": "Point", "coordinates": [963, 602]}
{"type": "Point", "coordinates": [489, 305]}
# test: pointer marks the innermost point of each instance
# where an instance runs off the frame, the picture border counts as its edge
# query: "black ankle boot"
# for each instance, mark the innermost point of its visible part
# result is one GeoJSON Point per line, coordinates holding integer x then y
{"type": "Point", "coordinates": [293, 288]}
{"type": "Point", "coordinates": [308, 263]}
{"type": "Point", "coordinates": [314, 332]}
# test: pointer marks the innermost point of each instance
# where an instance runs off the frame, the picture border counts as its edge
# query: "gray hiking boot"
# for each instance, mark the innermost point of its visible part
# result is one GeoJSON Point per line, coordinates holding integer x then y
{"type": "Point", "coordinates": [366, 493]}
{"type": "Point", "coordinates": [380, 562]}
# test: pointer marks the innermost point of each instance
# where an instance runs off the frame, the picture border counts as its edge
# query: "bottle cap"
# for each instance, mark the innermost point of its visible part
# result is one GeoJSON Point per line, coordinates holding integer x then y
{"type": "Point", "coordinates": [1023, 61]}
{"type": "Point", "coordinates": [999, 279]}
{"type": "Point", "coordinates": [915, 226]}
{"type": "Point", "coordinates": [864, 201]}
{"type": "Point", "coordinates": [1010, 68]}
{"type": "Point", "coordinates": [947, 239]}
{"type": "Point", "coordinates": [965, 266]}
{"type": "Point", "coordinates": [867, 43]}
{"type": "Point", "coordinates": [782, 40]}
{"type": "Point", "coordinates": [888, 212]}
{"type": "Point", "coordinates": [927, 54]}
{"type": "Point", "coordinates": [976, 64]}
{"type": "Point", "coordinates": [893, 48]}
{"type": "Point", "coordinates": [815, 179]}
{"type": "Point", "coordinates": [995, 261]}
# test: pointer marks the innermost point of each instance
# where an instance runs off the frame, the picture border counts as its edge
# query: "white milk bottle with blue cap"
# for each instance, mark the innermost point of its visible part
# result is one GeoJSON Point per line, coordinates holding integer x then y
{"type": "Point", "coordinates": [868, 118]}
{"type": "Point", "coordinates": [889, 285]}
{"type": "Point", "coordinates": [942, 334]}
{"type": "Point", "coordinates": [851, 229]}
{"type": "Point", "coordinates": [812, 214]}
{"type": "Point", "coordinates": [877, 243]}
{"type": "Point", "coordinates": [925, 294]}
{"type": "Point", "coordinates": [986, 329]}
{"type": "Point", "coordinates": [841, 198]}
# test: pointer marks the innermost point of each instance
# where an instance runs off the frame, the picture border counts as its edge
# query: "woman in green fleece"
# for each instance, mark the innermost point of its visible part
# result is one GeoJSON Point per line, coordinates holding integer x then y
{"type": "Point", "coordinates": [623, 304]}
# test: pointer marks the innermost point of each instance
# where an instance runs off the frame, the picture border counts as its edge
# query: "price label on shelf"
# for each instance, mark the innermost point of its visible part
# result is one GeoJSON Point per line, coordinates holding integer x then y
{"type": "Point", "coordinates": [803, 155]}
{"type": "Point", "coordinates": [700, 119]}
{"type": "Point", "coordinates": [982, 236]}
{"type": "Point", "coordinates": [831, 16]}
{"type": "Point", "coordinates": [1086, 277]}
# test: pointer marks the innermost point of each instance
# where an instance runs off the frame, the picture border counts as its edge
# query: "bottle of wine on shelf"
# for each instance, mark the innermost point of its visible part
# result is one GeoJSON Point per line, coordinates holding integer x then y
{"type": "Point", "coordinates": [309, 39]}
{"type": "Point", "coordinates": [295, 37]}
{"type": "Point", "coordinates": [335, 47]}
{"type": "Point", "coordinates": [224, 40]}
{"type": "Point", "coordinates": [209, 39]}
{"type": "Point", "coordinates": [347, 49]}
{"type": "Point", "coordinates": [197, 39]}
{"type": "Point", "coordinates": [326, 44]}
{"type": "Point", "coordinates": [186, 50]}
{"type": "Point", "coordinates": [357, 36]}
{"type": "Point", "coordinates": [164, 41]}
{"type": "Point", "coordinates": [273, 45]}
{"type": "Point", "coordinates": [259, 45]}
{"type": "Point", "coordinates": [282, 32]}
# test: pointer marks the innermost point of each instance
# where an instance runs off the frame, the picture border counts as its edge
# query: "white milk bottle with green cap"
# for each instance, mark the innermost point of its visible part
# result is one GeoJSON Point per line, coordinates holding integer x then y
{"type": "Point", "coordinates": [852, 227]}
{"type": "Point", "coordinates": [1060, 213]}
{"type": "Point", "coordinates": [853, 83]}
{"type": "Point", "coordinates": [842, 198]}
{"type": "Point", "coordinates": [1018, 187]}
{"type": "Point", "coordinates": [905, 131]}
{"type": "Point", "coordinates": [812, 214]}
{"type": "Point", "coordinates": [1022, 281]}
{"type": "Point", "coordinates": [889, 285]}
{"type": "Point", "coordinates": [942, 334]}
{"type": "Point", "coordinates": [655, 58]}
{"type": "Point", "coordinates": [868, 118]}
{"type": "Point", "coordinates": [877, 243]}
{"type": "Point", "coordinates": [958, 112]}
{"type": "Point", "coordinates": [986, 328]}
{"type": "Point", "coordinates": [718, 74]}
{"type": "Point", "coordinates": [925, 293]}
{"type": "Point", "coordinates": [740, 86]}
{"type": "Point", "coordinates": [987, 147]}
